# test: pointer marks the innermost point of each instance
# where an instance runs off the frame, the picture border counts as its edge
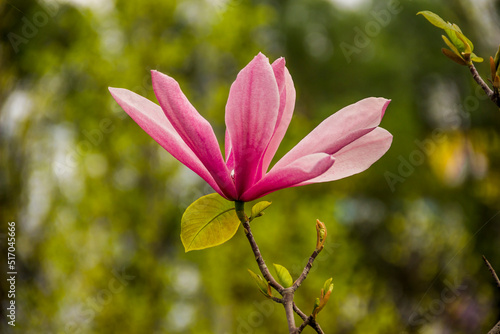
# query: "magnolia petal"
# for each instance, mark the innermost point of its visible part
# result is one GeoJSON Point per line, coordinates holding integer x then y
{"type": "Point", "coordinates": [357, 156]}
{"type": "Point", "coordinates": [285, 113]}
{"type": "Point", "coordinates": [301, 170]}
{"type": "Point", "coordinates": [196, 131]}
{"type": "Point", "coordinates": [228, 152]}
{"type": "Point", "coordinates": [251, 113]}
{"type": "Point", "coordinates": [340, 129]}
{"type": "Point", "coordinates": [150, 117]}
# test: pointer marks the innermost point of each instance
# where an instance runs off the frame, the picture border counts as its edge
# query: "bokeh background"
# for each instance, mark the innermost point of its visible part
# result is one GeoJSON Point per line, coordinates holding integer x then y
{"type": "Point", "coordinates": [98, 203]}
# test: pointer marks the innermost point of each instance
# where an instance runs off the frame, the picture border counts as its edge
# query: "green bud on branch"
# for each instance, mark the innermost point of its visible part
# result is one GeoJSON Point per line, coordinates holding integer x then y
{"type": "Point", "coordinates": [325, 296]}
{"type": "Point", "coordinates": [316, 305]}
{"type": "Point", "coordinates": [284, 277]}
{"type": "Point", "coordinates": [321, 235]}
{"type": "Point", "coordinates": [495, 71]}
{"type": "Point", "coordinates": [257, 209]}
{"type": "Point", "coordinates": [461, 48]}
{"type": "Point", "coordinates": [261, 284]}
{"type": "Point", "coordinates": [326, 286]}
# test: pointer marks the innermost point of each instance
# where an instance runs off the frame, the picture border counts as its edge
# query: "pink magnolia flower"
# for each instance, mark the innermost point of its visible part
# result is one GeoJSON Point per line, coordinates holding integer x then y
{"type": "Point", "coordinates": [258, 111]}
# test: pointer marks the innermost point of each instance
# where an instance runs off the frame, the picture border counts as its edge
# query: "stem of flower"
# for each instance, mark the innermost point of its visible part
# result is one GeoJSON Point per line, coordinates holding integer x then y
{"type": "Point", "coordinates": [240, 212]}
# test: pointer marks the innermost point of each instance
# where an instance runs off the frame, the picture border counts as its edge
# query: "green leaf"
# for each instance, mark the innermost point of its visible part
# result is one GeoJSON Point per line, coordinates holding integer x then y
{"type": "Point", "coordinates": [434, 19]}
{"type": "Point", "coordinates": [457, 59]}
{"type": "Point", "coordinates": [475, 58]}
{"type": "Point", "coordinates": [497, 57]}
{"type": "Point", "coordinates": [210, 221]}
{"type": "Point", "coordinates": [469, 47]}
{"type": "Point", "coordinates": [327, 284]}
{"type": "Point", "coordinates": [316, 304]}
{"type": "Point", "coordinates": [257, 209]}
{"type": "Point", "coordinates": [453, 35]}
{"type": "Point", "coordinates": [458, 39]}
{"type": "Point", "coordinates": [451, 46]}
{"type": "Point", "coordinates": [316, 307]}
{"type": "Point", "coordinates": [263, 285]}
{"type": "Point", "coordinates": [497, 61]}
{"type": "Point", "coordinates": [492, 69]}
{"type": "Point", "coordinates": [456, 27]}
{"type": "Point", "coordinates": [284, 277]}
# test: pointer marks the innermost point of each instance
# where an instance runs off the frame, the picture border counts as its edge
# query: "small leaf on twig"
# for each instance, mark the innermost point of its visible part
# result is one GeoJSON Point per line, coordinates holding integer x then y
{"type": "Point", "coordinates": [497, 58]}
{"type": "Point", "coordinates": [257, 209]}
{"type": "Point", "coordinates": [325, 296]}
{"type": "Point", "coordinates": [261, 283]}
{"type": "Point", "coordinates": [434, 19]}
{"type": "Point", "coordinates": [493, 69]}
{"type": "Point", "coordinates": [451, 46]}
{"type": "Point", "coordinates": [497, 61]}
{"type": "Point", "coordinates": [315, 307]}
{"type": "Point", "coordinates": [461, 47]}
{"type": "Point", "coordinates": [327, 284]}
{"type": "Point", "coordinates": [475, 58]}
{"type": "Point", "coordinates": [284, 277]}
{"type": "Point", "coordinates": [453, 56]}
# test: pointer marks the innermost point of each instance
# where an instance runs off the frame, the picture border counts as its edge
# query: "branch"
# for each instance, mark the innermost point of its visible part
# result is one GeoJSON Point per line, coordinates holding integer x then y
{"type": "Point", "coordinates": [308, 321]}
{"type": "Point", "coordinates": [489, 92]}
{"type": "Point", "coordinates": [276, 299]}
{"type": "Point", "coordinates": [258, 256]}
{"type": "Point", "coordinates": [299, 312]}
{"type": "Point", "coordinates": [306, 270]}
{"type": "Point", "coordinates": [287, 293]}
{"type": "Point", "coordinates": [496, 329]}
{"type": "Point", "coordinates": [493, 273]}
{"type": "Point", "coordinates": [304, 324]}
{"type": "Point", "coordinates": [288, 303]}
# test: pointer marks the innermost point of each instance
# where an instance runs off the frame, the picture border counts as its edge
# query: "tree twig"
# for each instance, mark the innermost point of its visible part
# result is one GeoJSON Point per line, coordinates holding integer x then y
{"type": "Point", "coordinates": [310, 321]}
{"type": "Point", "coordinates": [306, 270]}
{"type": "Point", "coordinates": [304, 324]}
{"type": "Point", "coordinates": [299, 312]}
{"type": "Point", "coordinates": [493, 273]}
{"type": "Point", "coordinates": [287, 293]}
{"type": "Point", "coordinates": [496, 329]}
{"type": "Point", "coordinates": [258, 256]}
{"type": "Point", "coordinates": [288, 304]}
{"type": "Point", "coordinates": [489, 92]}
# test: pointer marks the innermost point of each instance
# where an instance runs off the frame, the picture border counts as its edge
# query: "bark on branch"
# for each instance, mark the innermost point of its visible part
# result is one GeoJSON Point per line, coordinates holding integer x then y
{"type": "Point", "coordinates": [306, 270]}
{"type": "Point", "coordinates": [496, 328]}
{"type": "Point", "coordinates": [492, 95]}
{"type": "Point", "coordinates": [493, 273]}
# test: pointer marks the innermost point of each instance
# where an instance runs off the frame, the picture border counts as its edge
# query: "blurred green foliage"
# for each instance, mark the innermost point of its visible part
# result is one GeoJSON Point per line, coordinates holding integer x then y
{"type": "Point", "coordinates": [98, 203]}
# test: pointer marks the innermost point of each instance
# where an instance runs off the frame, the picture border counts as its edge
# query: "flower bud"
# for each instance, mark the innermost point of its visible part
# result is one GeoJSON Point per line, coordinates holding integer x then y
{"type": "Point", "coordinates": [321, 235]}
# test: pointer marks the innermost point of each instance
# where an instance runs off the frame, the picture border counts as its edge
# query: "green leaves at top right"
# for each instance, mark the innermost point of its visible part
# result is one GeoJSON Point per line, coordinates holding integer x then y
{"type": "Point", "coordinates": [461, 48]}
